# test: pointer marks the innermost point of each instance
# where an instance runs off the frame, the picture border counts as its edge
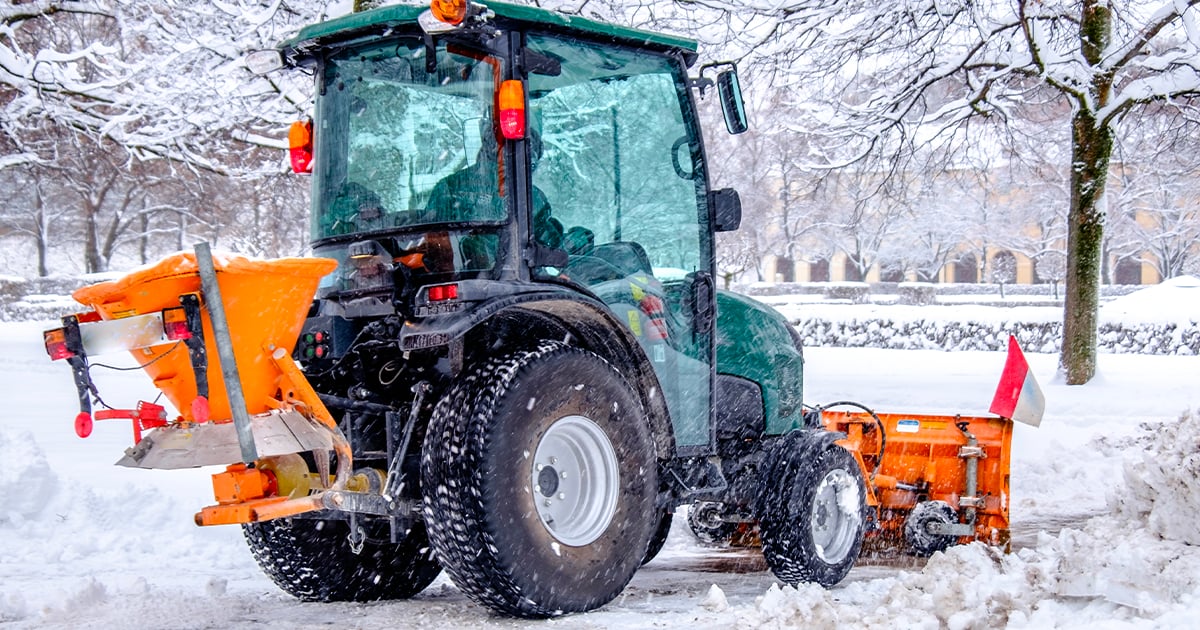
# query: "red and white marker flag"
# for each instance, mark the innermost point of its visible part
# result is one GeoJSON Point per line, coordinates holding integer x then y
{"type": "Point", "coordinates": [1018, 396]}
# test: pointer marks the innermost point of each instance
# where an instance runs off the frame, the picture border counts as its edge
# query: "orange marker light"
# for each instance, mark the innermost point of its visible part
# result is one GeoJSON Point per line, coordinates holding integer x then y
{"type": "Point", "coordinates": [301, 146]}
{"type": "Point", "coordinates": [512, 109]}
{"type": "Point", "coordinates": [450, 11]}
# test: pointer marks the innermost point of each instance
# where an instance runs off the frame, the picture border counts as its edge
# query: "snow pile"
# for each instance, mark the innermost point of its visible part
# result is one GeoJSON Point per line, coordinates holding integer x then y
{"type": "Point", "coordinates": [11, 287]}
{"type": "Point", "coordinates": [116, 535]}
{"type": "Point", "coordinates": [38, 307]}
{"type": "Point", "coordinates": [973, 586]}
{"type": "Point", "coordinates": [26, 480]}
{"type": "Point", "coordinates": [1163, 481]}
{"type": "Point", "coordinates": [1160, 319]}
{"type": "Point", "coordinates": [1165, 302]}
{"type": "Point", "coordinates": [891, 328]}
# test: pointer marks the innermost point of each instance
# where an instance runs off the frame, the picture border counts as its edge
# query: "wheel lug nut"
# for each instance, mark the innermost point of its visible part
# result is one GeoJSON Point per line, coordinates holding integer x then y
{"type": "Point", "coordinates": [562, 495]}
{"type": "Point", "coordinates": [547, 503]}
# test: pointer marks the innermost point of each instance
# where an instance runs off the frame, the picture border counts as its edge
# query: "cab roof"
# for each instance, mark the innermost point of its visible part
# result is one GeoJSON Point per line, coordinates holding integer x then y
{"type": "Point", "coordinates": [396, 15]}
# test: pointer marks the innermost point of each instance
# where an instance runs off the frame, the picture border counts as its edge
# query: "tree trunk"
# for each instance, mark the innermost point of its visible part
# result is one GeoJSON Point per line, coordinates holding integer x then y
{"type": "Point", "coordinates": [93, 263]}
{"type": "Point", "coordinates": [144, 238]}
{"type": "Point", "coordinates": [1085, 238]}
{"type": "Point", "coordinates": [1091, 148]}
{"type": "Point", "coordinates": [41, 231]}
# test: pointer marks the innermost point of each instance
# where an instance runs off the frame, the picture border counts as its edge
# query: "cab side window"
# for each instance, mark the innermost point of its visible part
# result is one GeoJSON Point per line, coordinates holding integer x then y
{"type": "Point", "coordinates": [617, 162]}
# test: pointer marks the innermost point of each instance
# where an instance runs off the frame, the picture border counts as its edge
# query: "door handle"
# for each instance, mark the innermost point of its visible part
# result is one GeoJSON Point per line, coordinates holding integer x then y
{"type": "Point", "coordinates": [704, 307]}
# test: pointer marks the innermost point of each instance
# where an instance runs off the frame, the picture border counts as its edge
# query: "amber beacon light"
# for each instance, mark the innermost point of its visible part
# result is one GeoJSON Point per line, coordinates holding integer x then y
{"type": "Point", "coordinates": [450, 11]}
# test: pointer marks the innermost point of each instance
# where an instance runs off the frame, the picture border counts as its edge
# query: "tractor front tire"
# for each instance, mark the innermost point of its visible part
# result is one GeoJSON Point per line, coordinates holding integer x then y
{"type": "Point", "coordinates": [312, 561]}
{"type": "Point", "coordinates": [539, 480]}
{"type": "Point", "coordinates": [813, 512]}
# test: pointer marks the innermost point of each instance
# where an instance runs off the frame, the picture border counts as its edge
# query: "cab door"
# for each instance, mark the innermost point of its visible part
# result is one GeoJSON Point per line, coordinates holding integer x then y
{"type": "Point", "coordinates": [619, 169]}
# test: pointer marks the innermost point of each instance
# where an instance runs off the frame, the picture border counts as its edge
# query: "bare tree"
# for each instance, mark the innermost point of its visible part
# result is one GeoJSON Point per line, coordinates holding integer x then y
{"type": "Point", "coordinates": [896, 74]}
{"type": "Point", "coordinates": [158, 98]}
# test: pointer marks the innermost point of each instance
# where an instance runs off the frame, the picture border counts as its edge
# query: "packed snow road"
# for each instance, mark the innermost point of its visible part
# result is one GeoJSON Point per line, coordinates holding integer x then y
{"type": "Point", "coordinates": [84, 544]}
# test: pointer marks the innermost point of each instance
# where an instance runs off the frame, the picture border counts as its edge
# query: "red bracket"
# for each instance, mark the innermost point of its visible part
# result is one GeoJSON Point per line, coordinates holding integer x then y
{"type": "Point", "coordinates": [145, 416]}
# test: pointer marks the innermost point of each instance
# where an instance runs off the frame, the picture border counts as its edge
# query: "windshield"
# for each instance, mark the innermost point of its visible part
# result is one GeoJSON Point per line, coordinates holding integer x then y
{"type": "Point", "coordinates": [398, 146]}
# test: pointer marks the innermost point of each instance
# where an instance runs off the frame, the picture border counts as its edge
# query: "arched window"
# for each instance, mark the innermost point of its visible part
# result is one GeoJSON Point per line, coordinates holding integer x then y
{"type": "Point", "coordinates": [966, 269]}
{"type": "Point", "coordinates": [1128, 271]}
{"type": "Point", "coordinates": [818, 271]}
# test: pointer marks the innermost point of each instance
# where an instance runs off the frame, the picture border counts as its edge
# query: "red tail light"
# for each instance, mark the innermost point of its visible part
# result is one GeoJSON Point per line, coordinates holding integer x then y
{"type": "Point", "coordinates": [300, 144]}
{"type": "Point", "coordinates": [512, 109]}
{"type": "Point", "coordinates": [443, 292]}
{"type": "Point", "coordinates": [175, 324]}
{"type": "Point", "coordinates": [56, 344]}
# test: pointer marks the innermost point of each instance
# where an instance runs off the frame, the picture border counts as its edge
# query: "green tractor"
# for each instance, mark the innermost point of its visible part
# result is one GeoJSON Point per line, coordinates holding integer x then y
{"type": "Point", "coordinates": [523, 325]}
{"type": "Point", "coordinates": [524, 329]}
{"type": "Point", "coordinates": [521, 365]}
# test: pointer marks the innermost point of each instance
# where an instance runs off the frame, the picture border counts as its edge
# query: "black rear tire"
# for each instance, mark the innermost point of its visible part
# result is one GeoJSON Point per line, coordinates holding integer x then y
{"type": "Point", "coordinates": [660, 535]}
{"type": "Point", "coordinates": [511, 530]}
{"type": "Point", "coordinates": [813, 513]}
{"type": "Point", "coordinates": [312, 560]}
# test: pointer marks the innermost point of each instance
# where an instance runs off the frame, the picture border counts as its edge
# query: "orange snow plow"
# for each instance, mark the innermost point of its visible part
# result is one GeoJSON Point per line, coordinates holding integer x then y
{"type": "Point", "coordinates": [933, 480]}
{"type": "Point", "coordinates": [197, 324]}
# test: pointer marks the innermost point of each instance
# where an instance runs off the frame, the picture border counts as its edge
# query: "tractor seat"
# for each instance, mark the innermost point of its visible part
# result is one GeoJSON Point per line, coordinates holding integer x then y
{"type": "Point", "coordinates": [628, 257]}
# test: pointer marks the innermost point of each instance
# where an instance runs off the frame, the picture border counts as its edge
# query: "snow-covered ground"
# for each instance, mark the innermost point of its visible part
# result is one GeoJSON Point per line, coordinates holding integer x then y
{"type": "Point", "coordinates": [1105, 498]}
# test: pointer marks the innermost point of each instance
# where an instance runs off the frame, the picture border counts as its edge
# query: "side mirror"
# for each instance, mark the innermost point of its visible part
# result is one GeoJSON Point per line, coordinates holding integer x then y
{"type": "Point", "coordinates": [727, 209]}
{"type": "Point", "coordinates": [732, 106]}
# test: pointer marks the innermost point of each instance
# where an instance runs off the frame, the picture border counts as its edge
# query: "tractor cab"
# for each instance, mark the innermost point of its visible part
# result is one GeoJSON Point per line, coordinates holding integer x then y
{"type": "Point", "coordinates": [461, 167]}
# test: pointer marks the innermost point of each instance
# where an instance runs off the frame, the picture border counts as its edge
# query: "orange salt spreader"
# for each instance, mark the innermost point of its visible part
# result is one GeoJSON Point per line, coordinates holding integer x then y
{"type": "Point", "coordinates": [215, 335]}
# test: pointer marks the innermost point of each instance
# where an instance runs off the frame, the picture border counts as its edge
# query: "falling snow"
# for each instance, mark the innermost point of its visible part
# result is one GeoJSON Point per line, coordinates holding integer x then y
{"type": "Point", "coordinates": [1104, 495]}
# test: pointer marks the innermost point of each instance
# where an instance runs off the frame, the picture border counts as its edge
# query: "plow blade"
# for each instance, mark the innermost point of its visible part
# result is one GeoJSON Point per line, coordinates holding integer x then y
{"type": "Point", "coordinates": [935, 479]}
{"type": "Point", "coordinates": [216, 444]}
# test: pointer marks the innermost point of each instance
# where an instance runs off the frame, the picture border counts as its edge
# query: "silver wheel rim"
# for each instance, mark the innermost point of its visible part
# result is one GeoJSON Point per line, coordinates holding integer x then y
{"type": "Point", "coordinates": [835, 516]}
{"type": "Point", "coordinates": [575, 480]}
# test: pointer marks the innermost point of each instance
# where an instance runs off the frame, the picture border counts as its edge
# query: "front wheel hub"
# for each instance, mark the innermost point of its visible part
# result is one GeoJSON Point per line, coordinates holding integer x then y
{"type": "Point", "coordinates": [575, 480]}
{"type": "Point", "coordinates": [835, 517]}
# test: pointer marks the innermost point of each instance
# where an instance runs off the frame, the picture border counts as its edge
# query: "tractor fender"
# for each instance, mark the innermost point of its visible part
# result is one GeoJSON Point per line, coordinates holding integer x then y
{"type": "Point", "coordinates": [568, 315]}
{"type": "Point", "coordinates": [440, 330]}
